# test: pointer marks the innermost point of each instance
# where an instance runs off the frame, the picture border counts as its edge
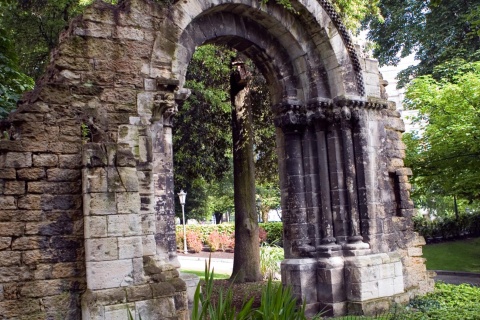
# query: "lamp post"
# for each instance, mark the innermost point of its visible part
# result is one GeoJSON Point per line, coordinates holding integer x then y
{"type": "Point", "coordinates": [259, 208]}
{"type": "Point", "coordinates": [181, 196]}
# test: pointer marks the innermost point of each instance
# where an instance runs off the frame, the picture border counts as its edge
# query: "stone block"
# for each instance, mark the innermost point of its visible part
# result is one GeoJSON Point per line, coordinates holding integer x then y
{"type": "Point", "coordinates": [45, 160]}
{"type": "Point", "coordinates": [138, 271]}
{"type": "Point", "coordinates": [100, 203]}
{"type": "Point", "coordinates": [95, 227]}
{"type": "Point", "coordinates": [8, 202]}
{"type": "Point", "coordinates": [8, 173]}
{"type": "Point", "coordinates": [398, 285]}
{"type": "Point", "coordinates": [94, 180]}
{"type": "Point", "coordinates": [70, 161]}
{"type": "Point", "coordinates": [5, 242]}
{"type": "Point", "coordinates": [12, 229]}
{"type": "Point", "coordinates": [387, 271]}
{"type": "Point", "coordinates": [57, 174]}
{"type": "Point", "coordinates": [30, 202]}
{"type": "Point", "coordinates": [14, 188]}
{"type": "Point", "coordinates": [14, 274]}
{"type": "Point", "coordinates": [122, 179]}
{"type": "Point", "coordinates": [68, 270]}
{"type": "Point", "coordinates": [370, 273]}
{"type": "Point", "coordinates": [120, 311]}
{"type": "Point", "coordinates": [123, 225]}
{"type": "Point", "coordinates": [31, 174]}
{"type": "Point", "coordinates": [160, 308]}
{"type": "Point", "coordinates": [130, 247]}
{"type": "Point", "coordinates": [54, 187]}
{"type": "Point", "coordinates": [43, 288]}
{"type": "Point", "coordinates": [61, 202]}
{"type": "Point", "coordinates": [130, 33]}
{"type": "Point", "coordinates": [30, 243]}
{"type": "Point", "coordinates": [109, 274]}
{"type": "Point", "coordinates": [102, 249]}
{"type": "Point", "coordinates": [10, 258]}
{"type": "Point", "coordinates": [362, 291]}
{"type": "Point", "coordinates": [415, 251]}
{"type": "Point", "coordinates": [128, 202]}
{"type": "Point", "coordinates": [18, 160]}
{"type": "Point", "coordinates": [386, 287]}
{"type": "Point", "coordinates": [149, 245]}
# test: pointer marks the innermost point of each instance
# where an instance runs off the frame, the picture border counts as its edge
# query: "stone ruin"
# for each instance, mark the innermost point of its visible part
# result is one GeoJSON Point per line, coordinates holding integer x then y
{"type": "Point", "coordinates": [86, 177]}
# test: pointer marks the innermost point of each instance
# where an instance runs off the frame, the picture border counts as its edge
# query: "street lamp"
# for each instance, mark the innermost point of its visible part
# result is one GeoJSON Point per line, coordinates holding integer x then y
{"type": "Point", "coordinates": [259, 207]}
{"type": "Point", "coordinates": [182, 195]}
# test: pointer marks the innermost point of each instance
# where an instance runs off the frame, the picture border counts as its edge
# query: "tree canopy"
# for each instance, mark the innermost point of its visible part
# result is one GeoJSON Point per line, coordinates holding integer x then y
{"type": "Point", "coordinates": [436, 31]}
{"type": "Point", "coordinates": [445, 153]}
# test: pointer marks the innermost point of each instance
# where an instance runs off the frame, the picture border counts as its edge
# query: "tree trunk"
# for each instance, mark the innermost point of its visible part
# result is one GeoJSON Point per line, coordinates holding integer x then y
{"type": "Point", "coordinates": [246, 258]}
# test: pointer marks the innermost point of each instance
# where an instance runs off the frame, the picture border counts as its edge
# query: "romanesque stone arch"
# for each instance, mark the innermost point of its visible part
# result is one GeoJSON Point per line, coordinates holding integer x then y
{"type": "Point", "coordinates": [87, 220]}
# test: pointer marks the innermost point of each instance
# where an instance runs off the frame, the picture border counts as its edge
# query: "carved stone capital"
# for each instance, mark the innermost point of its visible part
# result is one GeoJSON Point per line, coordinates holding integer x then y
{"type": "Point", "coordinates": [290, 116]}
{"type": "Point", "coordinates": [164, 106]}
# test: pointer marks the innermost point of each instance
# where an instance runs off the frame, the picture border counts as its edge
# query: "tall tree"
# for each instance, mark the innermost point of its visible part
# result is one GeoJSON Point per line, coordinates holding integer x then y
{"type": "Point", "coordinates": [445, 154]}
{"type": "Point", "coordinates": [246, 259]}
{"type": "Point", "coordinates": [436, 31]}
{"type": "Point", "coordinates": [12, 82]}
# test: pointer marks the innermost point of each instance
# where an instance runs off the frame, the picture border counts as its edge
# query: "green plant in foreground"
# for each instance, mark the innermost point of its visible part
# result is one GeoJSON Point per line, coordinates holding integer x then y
{"type": "Point", "coordinates": [270, 258]}
{"type": "Point", "coordinates": [204, 308]}
{"type": "Point", "coordinates": [277, 303]}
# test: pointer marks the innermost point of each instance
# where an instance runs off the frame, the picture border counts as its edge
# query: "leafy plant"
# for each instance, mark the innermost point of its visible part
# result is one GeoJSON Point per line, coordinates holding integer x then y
{"type": "Point", "coordinates": [204, 308]}
{"type": "Point", "coordinates": [278, 303]}
{"type": "Point", "coordinates": [270, 258]}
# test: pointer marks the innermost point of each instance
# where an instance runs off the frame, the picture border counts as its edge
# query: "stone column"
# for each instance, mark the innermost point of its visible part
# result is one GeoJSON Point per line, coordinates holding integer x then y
{"type": "Point", "coordinates": [291, 118]}
{"type": "Point", "coordinates": [355, 239]}
{"type": "Point", "coordinates": [337, 177]}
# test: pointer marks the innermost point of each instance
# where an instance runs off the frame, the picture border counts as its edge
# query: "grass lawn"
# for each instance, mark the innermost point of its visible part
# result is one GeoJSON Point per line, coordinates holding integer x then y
{"type": "Point", "coordinates": [461, 255]}
{"type": "Point", "coordinates": [201, 274]}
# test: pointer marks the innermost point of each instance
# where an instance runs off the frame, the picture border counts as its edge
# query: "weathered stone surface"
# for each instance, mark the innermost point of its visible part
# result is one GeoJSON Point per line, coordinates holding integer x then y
{"type": "Point", "coordinates": [18, 160]}
{"type": "Point", "coordinates": [109, 274]}
{"type": "Point", "coordinates": [8, 202]}
{"type": "Point", "coordinates": [45, 160]}
{"type": "Point", "coordinates": [31, 174]}
{"type": "Point", "coordinates": [102, 249]}
{"type": "Point", "coordinates": [8, 173]}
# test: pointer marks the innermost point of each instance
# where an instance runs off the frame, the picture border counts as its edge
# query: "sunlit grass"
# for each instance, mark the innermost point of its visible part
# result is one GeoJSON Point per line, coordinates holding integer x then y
{"type": "Point", "coordinates": [201, 274]}
{"type": "Point", "coordinates": [462, 255]}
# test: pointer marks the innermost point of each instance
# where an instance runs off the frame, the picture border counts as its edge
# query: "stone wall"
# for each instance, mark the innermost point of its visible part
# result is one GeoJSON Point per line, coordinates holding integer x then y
{"type": "Point", "coordinates": [86, 204]}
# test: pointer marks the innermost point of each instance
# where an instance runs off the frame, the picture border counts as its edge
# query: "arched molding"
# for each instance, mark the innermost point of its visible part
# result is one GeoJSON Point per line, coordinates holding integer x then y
{"type": "Point", "coordinates": [317, 46]}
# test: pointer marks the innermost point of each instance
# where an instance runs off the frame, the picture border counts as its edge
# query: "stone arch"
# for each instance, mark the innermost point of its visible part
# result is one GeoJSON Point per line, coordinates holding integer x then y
{"type": "Point", "coordinates": [93, 218]}
{"type": "Point", "coordinates": [309, 40]}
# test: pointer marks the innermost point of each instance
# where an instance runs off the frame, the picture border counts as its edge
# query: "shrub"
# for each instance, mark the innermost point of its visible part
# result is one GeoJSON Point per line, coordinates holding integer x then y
{"type": "Point", "coordinates": [274, 232]}
{"type": "Point", "coordinates": [193, 241]}
{"type": "Point", "coordinates": [179, 239]}
{"type": "Point", "coordinates": [214, 241]}
{"type": "Point", "coordinates": [262, 235]}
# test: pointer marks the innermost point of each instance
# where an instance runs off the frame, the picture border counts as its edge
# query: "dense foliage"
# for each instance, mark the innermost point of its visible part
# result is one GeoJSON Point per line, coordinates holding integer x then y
{"type": "Point", "coordinates": [436, 31]}
{"type": "Point", "coordinates": [445, 153]}
{"type": "Point", "coordinates": [12, 82]}
{"type": "Point", "coordinates": [448, 227]}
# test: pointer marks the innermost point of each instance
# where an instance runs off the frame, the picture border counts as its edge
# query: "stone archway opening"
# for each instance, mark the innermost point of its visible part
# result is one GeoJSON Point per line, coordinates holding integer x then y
{"type": "Point", "coordinates": [96, 219]}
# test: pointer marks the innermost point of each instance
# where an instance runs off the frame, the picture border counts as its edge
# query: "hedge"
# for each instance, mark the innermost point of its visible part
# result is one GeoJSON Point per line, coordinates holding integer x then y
{"type": "Point", "coordinates": [274, 230]}
{"type": "Point", "coordinates": [467, 225]}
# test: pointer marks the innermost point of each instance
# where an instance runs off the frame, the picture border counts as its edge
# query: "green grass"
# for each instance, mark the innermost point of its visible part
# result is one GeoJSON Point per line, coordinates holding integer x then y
{"type": "Point", "coordinates": [201, 274]}
{"type": "Point", "coordinates": [461, 255]}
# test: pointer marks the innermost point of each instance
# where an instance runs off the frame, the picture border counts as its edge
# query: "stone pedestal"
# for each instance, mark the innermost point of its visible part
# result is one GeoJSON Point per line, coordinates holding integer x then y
{"type": "Point", "coordinates": [339, 285]}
